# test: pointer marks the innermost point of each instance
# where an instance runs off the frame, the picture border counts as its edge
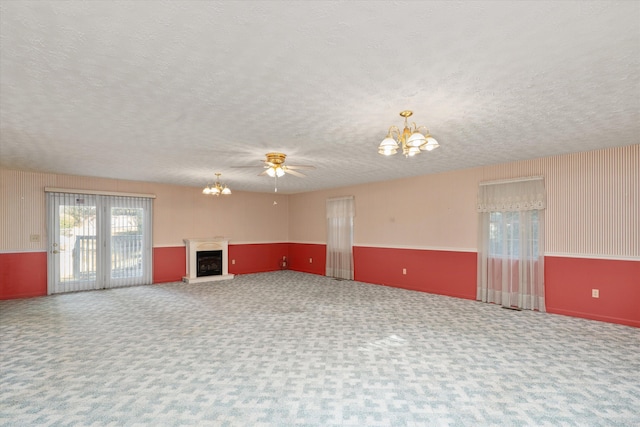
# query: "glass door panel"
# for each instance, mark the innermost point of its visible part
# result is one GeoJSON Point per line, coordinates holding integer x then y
{"type": "Point", "coordinates": [126, 246]}
{"type": "Point", "coordinates": [73, 252]}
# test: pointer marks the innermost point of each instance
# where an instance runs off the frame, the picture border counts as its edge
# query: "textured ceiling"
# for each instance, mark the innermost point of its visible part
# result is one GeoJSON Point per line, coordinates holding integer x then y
{"type": "Point", "coordinates": [175, 91]}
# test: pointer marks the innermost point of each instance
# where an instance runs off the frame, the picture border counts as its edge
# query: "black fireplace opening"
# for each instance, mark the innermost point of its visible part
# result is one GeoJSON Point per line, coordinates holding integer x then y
{"type": "Point", "coordinates": [209, 263]}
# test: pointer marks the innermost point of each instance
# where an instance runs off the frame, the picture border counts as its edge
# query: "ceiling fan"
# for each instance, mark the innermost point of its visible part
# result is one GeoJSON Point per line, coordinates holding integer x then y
{"type": "Point", "coordinates": [274, 166]}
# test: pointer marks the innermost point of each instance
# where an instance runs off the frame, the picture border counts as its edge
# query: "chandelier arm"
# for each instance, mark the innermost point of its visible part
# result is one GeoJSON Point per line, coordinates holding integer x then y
{"type": "Point", "coordinates": [395, 129]}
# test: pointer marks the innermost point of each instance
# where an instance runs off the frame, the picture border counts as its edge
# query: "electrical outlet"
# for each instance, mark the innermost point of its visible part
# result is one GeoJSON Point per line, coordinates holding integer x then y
{"type": "Point", "coordinates": [310, 260]}
{"type": "Point", "coordinates": [595, 293]}
{"type": "Point", "coordinates": [233, 261]}
{"type": "Point", "coordinates": [404, 271]}
{"type": "Point", "coordinates": [34, 238]}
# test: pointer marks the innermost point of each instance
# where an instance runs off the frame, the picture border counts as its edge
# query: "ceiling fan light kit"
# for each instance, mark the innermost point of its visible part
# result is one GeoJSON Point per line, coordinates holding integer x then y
{"type": "Point", "coordinates": [275, 172]}
{"type": "Point", "coordinates": [412, 139]}
{"type": "Point", "coordinates": [275, 163]}
{"type": "Point", "coordinates": [216, 189]}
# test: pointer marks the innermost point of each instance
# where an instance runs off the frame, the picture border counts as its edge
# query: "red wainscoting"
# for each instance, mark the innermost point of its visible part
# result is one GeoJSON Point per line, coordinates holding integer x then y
{"type": "Point", "coordinates": [438, 272]}
{"type": "Point", "coordinates": [569, 281]}
{"type": "Point", "coordinates": [169, 264]}
{"type": "Point", "coordinates": [23, 274]}
{"type": "Point", "coordinates": [308, 258]}
{"type": "Point", "coordinates": [257, 258]}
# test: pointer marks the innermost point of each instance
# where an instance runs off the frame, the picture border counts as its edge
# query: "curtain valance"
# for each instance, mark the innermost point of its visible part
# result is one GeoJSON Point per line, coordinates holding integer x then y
{"type": "Point", "coordinates": [512, 196]}
{"type": "Point", "coordinates": [341, 207]}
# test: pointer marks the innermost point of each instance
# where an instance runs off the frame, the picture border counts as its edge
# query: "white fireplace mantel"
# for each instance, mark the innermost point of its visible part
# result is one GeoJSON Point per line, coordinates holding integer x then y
{"type": "Point", "coordinates": [193, 246]}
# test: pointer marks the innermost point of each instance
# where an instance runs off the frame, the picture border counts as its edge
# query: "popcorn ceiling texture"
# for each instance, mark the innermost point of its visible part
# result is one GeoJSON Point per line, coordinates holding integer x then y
{"type": "Point", "coordinates": [174, 91]}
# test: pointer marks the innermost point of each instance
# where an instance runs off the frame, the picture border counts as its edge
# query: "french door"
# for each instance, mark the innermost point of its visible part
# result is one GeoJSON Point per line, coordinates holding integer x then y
{"type": "Point", "coordinates": [97, 241]}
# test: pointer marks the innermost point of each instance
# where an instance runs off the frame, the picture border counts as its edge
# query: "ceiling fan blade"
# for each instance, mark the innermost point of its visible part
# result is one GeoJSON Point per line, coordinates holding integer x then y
{"type": "Point", "coordinates": [294, 173]}
{"type": "Point", "coordinates": [263, 173]}
{"type": "Point", "coordinates": [308, 167]}
{"type": "Point", "coordinates": [246, 166]}
{"type": "Point", "coordinates": [265, 166]}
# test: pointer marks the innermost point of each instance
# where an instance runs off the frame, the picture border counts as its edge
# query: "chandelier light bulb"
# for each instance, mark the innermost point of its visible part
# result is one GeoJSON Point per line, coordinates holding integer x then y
{"type": "Point", "coordinates": [431, 144]}
{"type": "Point", "coordinates": [416, 139]}
{"type": "Point", "coordinates": [413, 151]}
{"type": "Point", "coordinates": [388, 146]}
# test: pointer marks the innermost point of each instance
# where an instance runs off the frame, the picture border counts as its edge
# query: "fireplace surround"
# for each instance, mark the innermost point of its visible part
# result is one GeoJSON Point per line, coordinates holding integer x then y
{"type": "Point", "coordinates": [207, 260]}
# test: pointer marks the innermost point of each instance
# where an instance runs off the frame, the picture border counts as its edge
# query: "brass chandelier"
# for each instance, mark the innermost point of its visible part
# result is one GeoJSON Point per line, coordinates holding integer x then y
{"type": "Point", "coordinates": [216, 189]}
{"type": "Point", "coordinates": [412, 139]}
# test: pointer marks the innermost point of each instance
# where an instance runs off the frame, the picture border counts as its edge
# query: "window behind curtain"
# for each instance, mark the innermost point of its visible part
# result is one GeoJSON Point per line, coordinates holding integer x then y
{"type": "Point", "coordinates": [511, 243]}
{"type": "Point", "coordinates": [340, 213]}
{"type": "Point", "coordinates": [505, 234]}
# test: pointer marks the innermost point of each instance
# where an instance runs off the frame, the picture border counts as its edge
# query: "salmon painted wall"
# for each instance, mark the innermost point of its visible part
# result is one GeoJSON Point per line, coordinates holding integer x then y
{"type": "Point", "coordinates": [256, 228]}
{"type": "Point", "coordinates": [178, 212]}
{"type": "Point", "coordinates": [428, 225]}
{"type": "Point", "coordinates": [184, 212]}
{"type": "Point", "coordinates": [386, 212]}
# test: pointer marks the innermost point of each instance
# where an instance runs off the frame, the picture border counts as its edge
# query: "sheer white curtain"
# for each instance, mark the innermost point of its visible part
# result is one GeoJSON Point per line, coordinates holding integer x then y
{"type": "Point", "coordinates": [340, 213]}
{"type": "Point", "coordinates": [98, 241]}
{"type": "Point", "coordinates": [130, 246]}
{"type": "Point", "coordinates": [511, 243]}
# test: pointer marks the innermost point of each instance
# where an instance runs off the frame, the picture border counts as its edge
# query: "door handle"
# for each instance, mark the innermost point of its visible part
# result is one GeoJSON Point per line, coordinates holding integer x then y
{"type": "Point", "coordinates": [55, 252]}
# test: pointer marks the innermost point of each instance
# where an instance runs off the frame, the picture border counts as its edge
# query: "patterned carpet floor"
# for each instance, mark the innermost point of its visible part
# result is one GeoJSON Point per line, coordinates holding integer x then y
{"type": "Point", "coordinates": [295, 349]}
